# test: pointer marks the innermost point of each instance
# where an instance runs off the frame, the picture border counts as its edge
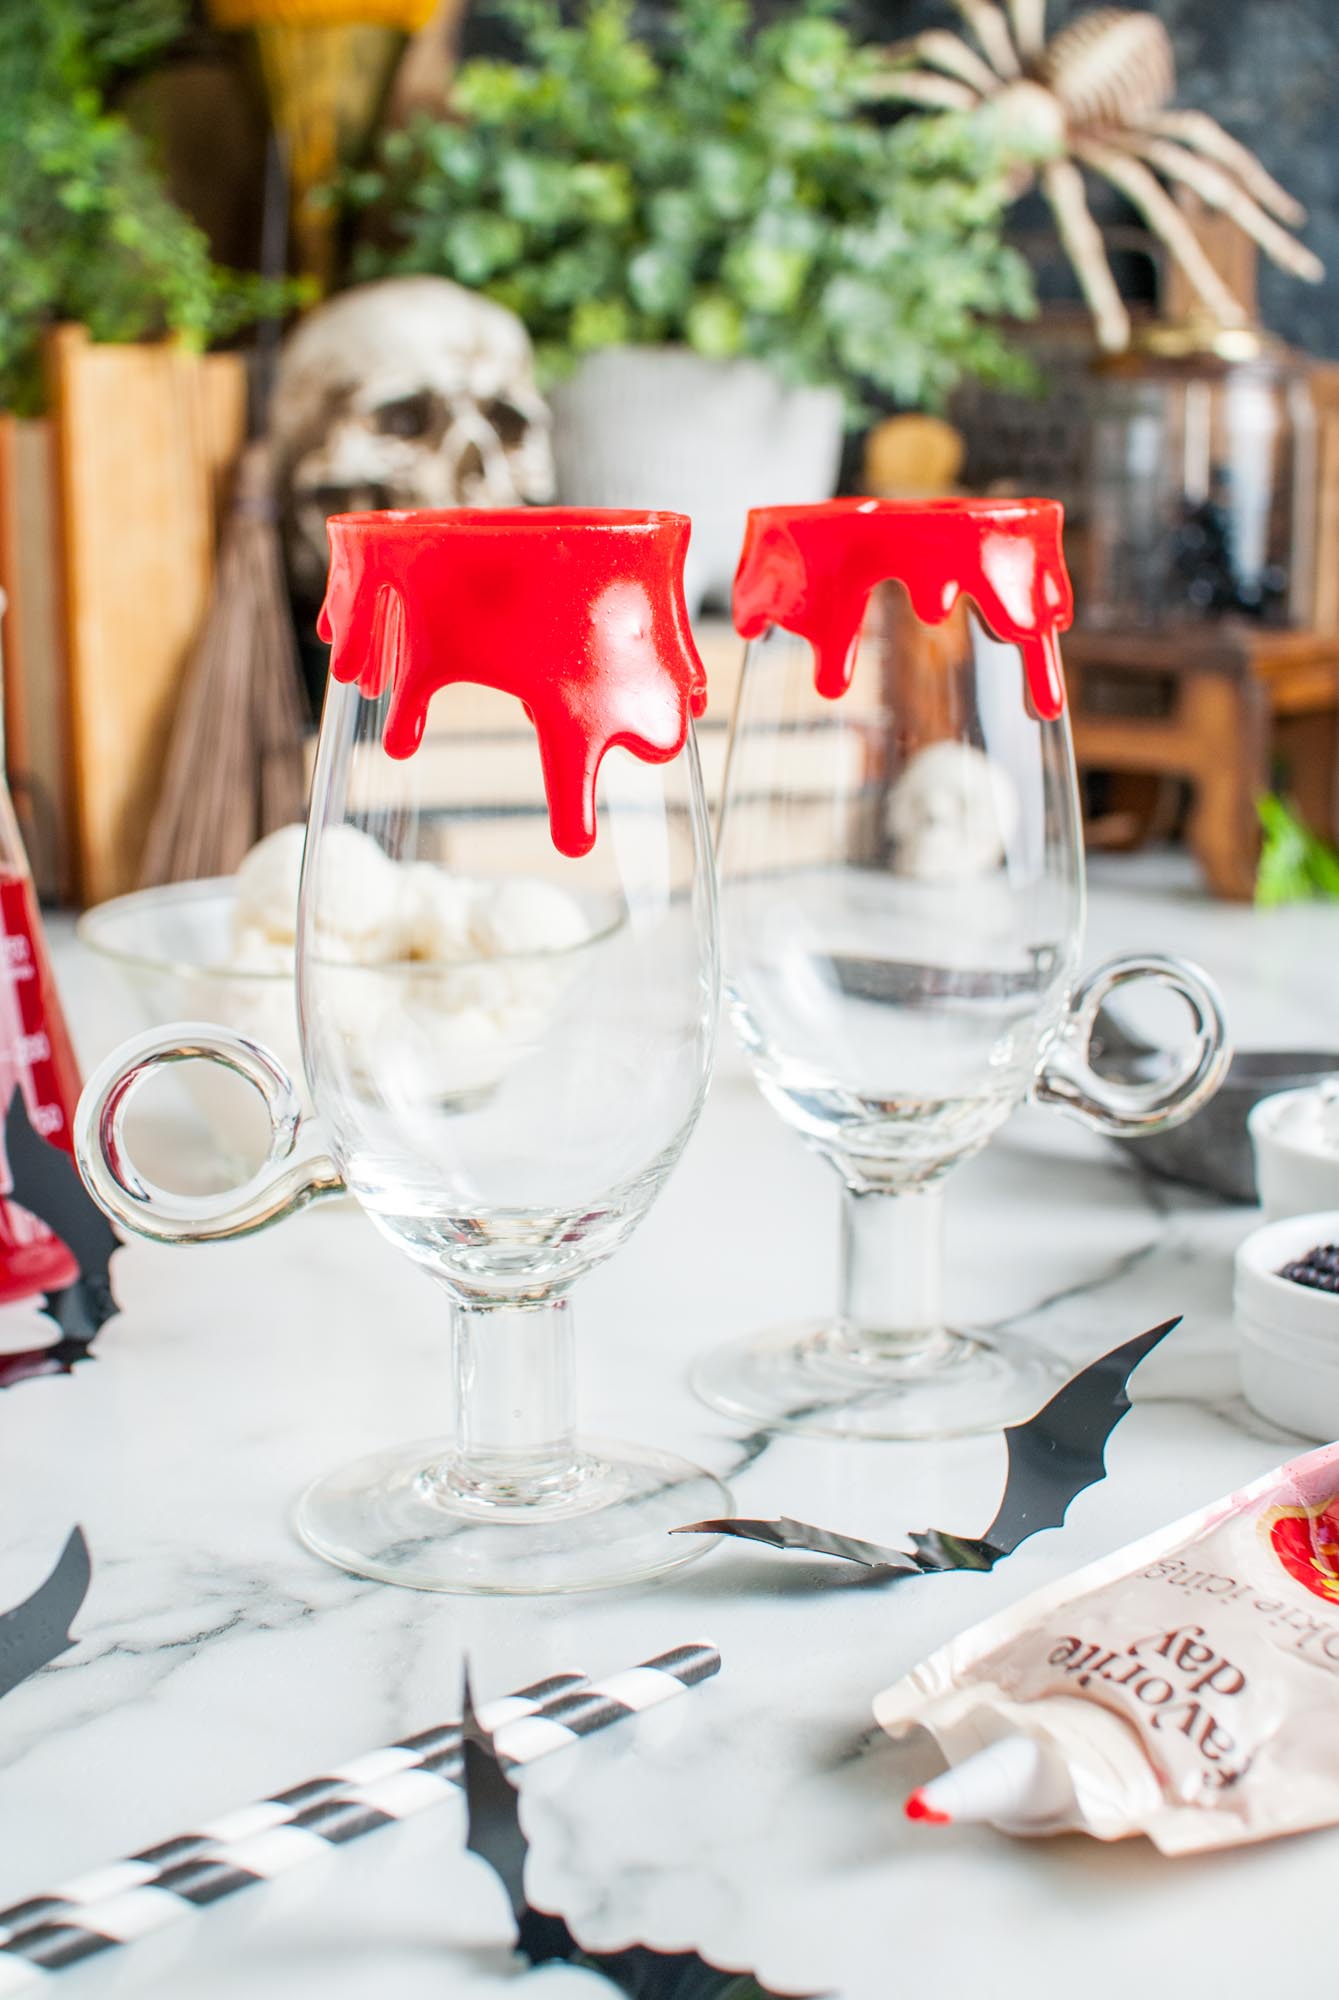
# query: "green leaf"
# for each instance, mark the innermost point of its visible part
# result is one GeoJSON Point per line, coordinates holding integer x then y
{"type": "Point", "coordinates": [479, 244]}
{"type": "Point", "coordinates": [714, 326]}
{"type": "Point", "coordinates": [766, 277]}
{"type": "Point", "coordinates": [534, 189]}
{"type": "Point", "coordinates": [658, 282]}
{"type": "Point", "coordinates": [677, 217]}
{"type": "Point", "coordinates": [603, 193]}
{"type": "Point", "coordinates": [490, 92]}
{"type": "Point", "coordinates": [730, 179]}
{"type": "Point", "coordinates": [599, 323]}
{"type": "Point", "coordinates": [1295, 865]}
{"type": "Point", "coordinates": [813, 54]}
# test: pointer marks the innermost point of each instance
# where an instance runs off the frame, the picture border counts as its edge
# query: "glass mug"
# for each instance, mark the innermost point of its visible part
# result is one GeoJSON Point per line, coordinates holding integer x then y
{"type": "Point", "coordinates": [901, 866]}
{"type": "Point", "coordinates": [507, 998]}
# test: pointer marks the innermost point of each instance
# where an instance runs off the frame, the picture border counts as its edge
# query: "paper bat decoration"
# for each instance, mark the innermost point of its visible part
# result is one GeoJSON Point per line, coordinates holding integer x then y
{"type": "Point", "coordinates": [784, 1533]}
{"type": "Point", "coordinates": [1053, 1457]}
{"type": "Point", "coordinates": [496, 1834]}
{"type": "Point", "coordinates": [38, 1631]}
{"type": "Point", "coordinates": [46, 1183]}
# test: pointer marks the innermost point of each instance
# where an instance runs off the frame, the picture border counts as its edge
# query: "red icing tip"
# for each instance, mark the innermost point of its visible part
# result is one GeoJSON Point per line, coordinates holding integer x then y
{"type": "Point", "coordinates": [918, 1807]}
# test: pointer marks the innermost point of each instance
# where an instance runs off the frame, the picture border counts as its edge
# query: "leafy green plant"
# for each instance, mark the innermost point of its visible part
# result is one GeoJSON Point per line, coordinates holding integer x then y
{"type": "Point", "coordinates": [87, 230]}
{"type": "Point", "coordinates": [724, 188]}
{"type": "Point", "coordinates": [1296, 866]}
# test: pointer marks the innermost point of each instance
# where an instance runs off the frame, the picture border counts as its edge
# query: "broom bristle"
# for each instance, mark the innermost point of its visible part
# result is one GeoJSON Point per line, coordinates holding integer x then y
{"type": "Point", "coordinates": [234, 764]}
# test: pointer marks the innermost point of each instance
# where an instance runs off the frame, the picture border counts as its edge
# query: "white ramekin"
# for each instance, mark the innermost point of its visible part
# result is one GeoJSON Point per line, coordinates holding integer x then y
{"type": "Point", "coordinates": [1288, 1334]}
{"type": "Point", "coordinates": [1294, 1175]}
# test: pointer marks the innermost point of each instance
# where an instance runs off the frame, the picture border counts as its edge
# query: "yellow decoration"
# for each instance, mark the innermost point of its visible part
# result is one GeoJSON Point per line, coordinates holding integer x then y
{"type": "Point", "coordinates": [911, 457]}
{"type": "Point", "coordinates": [406, 15]}
{"type": "Point", "coordinates": [327, 66]}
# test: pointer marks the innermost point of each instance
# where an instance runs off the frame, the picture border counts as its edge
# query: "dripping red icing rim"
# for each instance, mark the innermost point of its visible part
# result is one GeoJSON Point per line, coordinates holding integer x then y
{"type": "Point", "coordinates": [473, 520]}
{"type": "Point", "coordinates": [811, 569]}
{"type": "Point", "coordinates": [577, 612]}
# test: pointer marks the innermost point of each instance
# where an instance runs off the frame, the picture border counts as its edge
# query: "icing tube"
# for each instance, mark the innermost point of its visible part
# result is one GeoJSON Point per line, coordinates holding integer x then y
{"type": "Point", "coordinates": [1186, 1688]}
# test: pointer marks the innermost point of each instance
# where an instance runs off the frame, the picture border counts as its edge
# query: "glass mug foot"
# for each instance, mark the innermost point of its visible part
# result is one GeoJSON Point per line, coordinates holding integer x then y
{"type": "Point", "coordinates": [814, 1380]}
{"type": "Point", "coordinates": [402, 1516]}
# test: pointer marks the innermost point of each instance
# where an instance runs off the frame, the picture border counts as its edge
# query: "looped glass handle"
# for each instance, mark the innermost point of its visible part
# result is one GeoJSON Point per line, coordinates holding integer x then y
{"type": "Point", "coordinates": [281, 1184]}
{"type": "Point", "coordinates": [1126, 1109]}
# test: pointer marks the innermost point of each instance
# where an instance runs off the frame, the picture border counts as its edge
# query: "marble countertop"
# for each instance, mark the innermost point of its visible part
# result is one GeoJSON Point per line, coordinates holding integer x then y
{"type": "Point", "coordinates": [759, 1818]}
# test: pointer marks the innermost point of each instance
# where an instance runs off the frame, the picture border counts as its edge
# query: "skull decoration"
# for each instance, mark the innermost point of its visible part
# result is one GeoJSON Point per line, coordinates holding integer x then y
{"type": "Point", "coordinates": [408, 393]}
{"type": "Point", "coordinates": [951, 814]}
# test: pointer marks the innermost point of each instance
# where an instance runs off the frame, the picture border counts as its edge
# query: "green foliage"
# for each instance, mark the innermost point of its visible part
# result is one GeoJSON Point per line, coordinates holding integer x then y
{"type": "Point", "coordinates": [1295, 865]}
{"type": "Point", "coordinates": [87, 230]}
{"type": "Point", "coordinates": [724, 188]}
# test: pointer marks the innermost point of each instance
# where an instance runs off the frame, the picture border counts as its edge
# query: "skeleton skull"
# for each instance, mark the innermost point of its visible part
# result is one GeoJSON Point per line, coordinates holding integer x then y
{"type": "Point", "coordinates": [951, 814]}
{"type": "Point", "coordinates": [408, 393]}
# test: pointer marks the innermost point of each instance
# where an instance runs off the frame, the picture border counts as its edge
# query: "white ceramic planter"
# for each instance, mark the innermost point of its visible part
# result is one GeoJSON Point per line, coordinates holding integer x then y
{"type": "Point", "coordinates": [664, 427]}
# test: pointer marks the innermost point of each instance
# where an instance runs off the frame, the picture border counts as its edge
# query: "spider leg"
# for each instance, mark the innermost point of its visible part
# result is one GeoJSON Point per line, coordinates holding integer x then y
{"type": "Point", "coordinates": [1220, 191]}
{"type": "Point", "coordinates": [1146, 193]}
{"type": "Point", "coordinates": [987, 22]}
{"type": "Point", "coordinates": [1028, 19]}
{"type": "Point", "coordinates": [950, 53]}
{"type": "Point", "coordinates": [1206, 135]}
{"type": "Point", "coordinates": [1062, 184]}
{"type": "Point", "coordinates": [918, 86]}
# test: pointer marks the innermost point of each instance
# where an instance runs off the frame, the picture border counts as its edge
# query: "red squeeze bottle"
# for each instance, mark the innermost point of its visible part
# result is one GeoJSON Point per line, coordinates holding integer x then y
{"type": "Point", "coordinates": [36, 1057]}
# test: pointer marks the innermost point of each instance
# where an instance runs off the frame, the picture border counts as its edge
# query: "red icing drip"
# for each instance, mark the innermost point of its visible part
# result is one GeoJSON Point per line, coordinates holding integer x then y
{"type": "Point", "coordinates": [578, 614]}
{"type": "Point", "coordinates": [811, 569]}
{"type": "Point", "coordinates": [919, 1807]}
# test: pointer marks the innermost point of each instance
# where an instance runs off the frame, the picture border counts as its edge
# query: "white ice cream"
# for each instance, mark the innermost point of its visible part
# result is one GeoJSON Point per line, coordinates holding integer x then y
{"type": "Point", "coordinates": [461, 1030]}
{"type": "Point", "coordinates": [267, 886]}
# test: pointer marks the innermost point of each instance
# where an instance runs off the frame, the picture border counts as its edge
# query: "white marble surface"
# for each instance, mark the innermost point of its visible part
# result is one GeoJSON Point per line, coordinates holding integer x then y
{"type": "Point", "coordinates": [760, 1817]}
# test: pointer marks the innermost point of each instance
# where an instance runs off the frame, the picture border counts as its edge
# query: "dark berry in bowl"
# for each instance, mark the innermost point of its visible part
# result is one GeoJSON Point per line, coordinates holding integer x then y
{"type": "Point", "coordinates": [1319, 1268]}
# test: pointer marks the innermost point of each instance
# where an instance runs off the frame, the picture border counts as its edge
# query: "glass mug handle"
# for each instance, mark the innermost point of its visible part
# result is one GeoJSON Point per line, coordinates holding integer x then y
{"type": "Point", "coordinates": [281, 1184]}
{"type": "Point", "coordinates": [1065, 1074]}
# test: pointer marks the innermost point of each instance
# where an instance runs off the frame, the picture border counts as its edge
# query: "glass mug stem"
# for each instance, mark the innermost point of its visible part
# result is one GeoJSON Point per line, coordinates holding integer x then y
{"type": "Point", "coordinates": [515, 1383]}
{"type": "Point", "coordinates": [892, 1272]}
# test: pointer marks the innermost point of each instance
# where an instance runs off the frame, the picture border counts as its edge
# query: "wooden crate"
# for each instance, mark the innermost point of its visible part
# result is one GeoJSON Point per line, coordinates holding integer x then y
{"type": "Point", "coordinates": [144, 436]}
{"type": "Point", "coordinates": [36, 724]}
{"type": "Point", "coordinates": [1325, 398]}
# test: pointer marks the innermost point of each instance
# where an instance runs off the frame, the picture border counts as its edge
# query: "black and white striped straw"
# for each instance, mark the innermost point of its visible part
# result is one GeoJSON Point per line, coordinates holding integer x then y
{"type": "Point", "coordinates": [133, 1898]}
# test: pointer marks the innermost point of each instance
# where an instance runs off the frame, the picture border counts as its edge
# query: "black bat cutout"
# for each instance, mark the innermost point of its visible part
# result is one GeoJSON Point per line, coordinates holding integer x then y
{"type": "Point", "coordinates": [784, 1533]}
{"type": "Point", "coordinates": [38, 1631]}
{"type": "Point", "coordinates": [1053, 1457]}
{"type": "Point", "coordinates": [543, 1937]}
{"type": "Point", "coordinates": [60, 1357]}
{"type": "Point", "coordinates": [46, 1182]}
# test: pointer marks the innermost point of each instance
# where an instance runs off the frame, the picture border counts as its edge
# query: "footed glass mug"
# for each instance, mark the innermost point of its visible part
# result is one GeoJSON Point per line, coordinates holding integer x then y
{"type": "Point", "coordinates": [507, 982]}
{"type": "Point", "coordinates": [901, 868]}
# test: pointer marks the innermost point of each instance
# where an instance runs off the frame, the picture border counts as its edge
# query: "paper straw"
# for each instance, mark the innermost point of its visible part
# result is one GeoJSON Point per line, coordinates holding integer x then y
{"type": "Point", "coordinates": [130, 1899]}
